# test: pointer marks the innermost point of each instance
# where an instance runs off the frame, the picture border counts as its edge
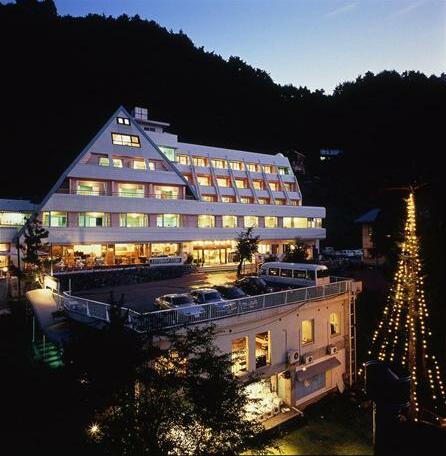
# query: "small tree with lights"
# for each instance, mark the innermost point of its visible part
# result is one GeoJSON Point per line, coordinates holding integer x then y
{"type": "Point", "coordinates": [401, 338]}
{"type": "Point", "coordinates": [298, 252]}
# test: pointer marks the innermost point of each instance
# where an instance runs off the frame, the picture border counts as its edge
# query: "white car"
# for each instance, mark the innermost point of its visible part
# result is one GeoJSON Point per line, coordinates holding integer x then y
{"type": "Point", "coordinates": [182, 302]}
{"type": "Point", "coordinates": [211, 296]}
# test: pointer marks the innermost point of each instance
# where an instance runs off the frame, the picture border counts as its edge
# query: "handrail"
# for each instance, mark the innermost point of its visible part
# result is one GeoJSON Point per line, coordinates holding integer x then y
{"type": "Point", "coordinates": [201, 313]}
{"type": "Point", "coordinates": [124, 194]}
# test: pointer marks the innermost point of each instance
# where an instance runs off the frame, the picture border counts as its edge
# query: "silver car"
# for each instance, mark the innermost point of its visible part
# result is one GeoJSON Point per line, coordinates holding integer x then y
{"type": "Point", "coordinates": [182, 302]}
{"type": "Point", "coordinates": [213, 297]}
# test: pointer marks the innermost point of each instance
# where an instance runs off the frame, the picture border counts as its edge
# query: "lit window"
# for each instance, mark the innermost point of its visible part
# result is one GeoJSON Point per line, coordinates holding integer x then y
{"type": "Point", "coordinates": [229, 221]}
{"type": "Point", "coordinates": [141, 113]}
{"type": "Point", "coordinates": [152, 166]}
{"type": "Point", "coordinates": [228, 199]}
{"type": "Point", "coordinates": [258, 185]}
{"type": "Point", "coordinates": [93, 219]}
{"type": "Point", "coordinates": [274, 186]}
{"type": "Point", "coordinates": [252, 167]}
{"type": "Point", "coordinates": [55, 219]}
{"type": "Point", "coordinates": [133, 220]}
{"type": "Point", "coordinates": [166, 192]}
{"type": "Point", "coordinates": [268, 169]}
{"type": "Point", "coordinates": [263, 349]}
{"type": "Point", "coordinates": [222, 182]}
{"type": "Point", "coordinates": [288, 187]}
{"type": "Point", "coordinates": [117, 162]}
{"type": "Point", "coordinates": [221, 164]}
{"type": "Point", "coordinates": [237, 166]}
{"type": "Point", "coordinates": [200, 161]}
{"type": "Point", "coordinates": [280, 202]}
{"type": "Point", "coordinates": [294, 222]}
{"type": "Point", "coordinates": [208, 198]}
{"type": "Point", "coordinates": [314, 222]}
{"type": "Point", "coordinates": [168, 221]}
{"type": "Point", "coordinates": [13, 218]}
{"type": "Point", "coordinates": [239, 355]}
{"type": "Point", "coordinates": [251, 220]}
{"type": "Point", "coordinates": [335, 324]}
{"type": "Point", "coordinates": [139, 164]}
{"type": "Point", "coordinates": [270, 222]}
{"type": "Point", "coordinates": [245, 200]}
{"type": "Point", "coordinates": [183, 159]}
{"type": "Point", "coordinates": [307, 332]}
{"type": "Point", "coordinates": [169, 152]}
{"type": "Point", "coordinates": [123, 120]}
{"type": "Point", "coordinates": [263, 201]}
{"type": "Point", "coordinates": [240, 183]}
{"type": "Point", "coordinates": [293, 202]}
{"type": "Point", "coordinates": [206, 221]}
{"type": "Point", "coordinates": [204, 180]}
{"type": "Point", "coordinates": [125, 140]}
{"type": "Point", "coordinates": [90, 188]}
{"type": "Point", "coordinates": [104, 161]}
{"type": "Point", "coordinates": [131, 190]}
{"type": "Point", "coordinates": [284, 170]}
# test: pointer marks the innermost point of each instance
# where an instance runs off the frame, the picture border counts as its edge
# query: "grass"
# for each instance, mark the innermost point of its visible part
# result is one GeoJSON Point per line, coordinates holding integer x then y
{"type": "Point", "coordinates": [335, 425]}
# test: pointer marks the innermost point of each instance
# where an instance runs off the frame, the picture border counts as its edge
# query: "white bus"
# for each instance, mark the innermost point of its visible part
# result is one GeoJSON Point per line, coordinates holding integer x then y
{"type": "Point", "coordinates": [294, 274]}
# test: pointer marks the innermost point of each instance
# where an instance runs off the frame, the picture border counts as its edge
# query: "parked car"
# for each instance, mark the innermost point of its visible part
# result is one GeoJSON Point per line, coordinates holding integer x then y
{"type": "Point", "coordinates": [212, 296]}
{"type": "Point", "coordinates": [253, 285]}
{"type": "Point", "coordinates": [230, 291]}
{"type": "Point", "coordinates": [184, 304]}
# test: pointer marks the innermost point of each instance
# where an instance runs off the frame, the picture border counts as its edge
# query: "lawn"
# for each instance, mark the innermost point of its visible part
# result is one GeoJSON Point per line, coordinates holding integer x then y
{"type": "Point", "coordinates": [334, 425]}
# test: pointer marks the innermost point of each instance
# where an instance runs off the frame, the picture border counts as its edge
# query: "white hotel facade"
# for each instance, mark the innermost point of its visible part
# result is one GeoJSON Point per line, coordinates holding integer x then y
{"type": "Point", "coordinates": [136, 192]}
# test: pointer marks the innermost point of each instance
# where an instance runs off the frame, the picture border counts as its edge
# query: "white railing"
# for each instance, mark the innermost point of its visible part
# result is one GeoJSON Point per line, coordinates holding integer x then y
{"type": "Point", "coordinates": [201, 313]}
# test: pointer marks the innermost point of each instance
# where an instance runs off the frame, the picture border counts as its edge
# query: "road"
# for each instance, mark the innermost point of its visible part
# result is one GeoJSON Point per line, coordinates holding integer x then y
{"type": "Point", "coordinates": [141, 297]}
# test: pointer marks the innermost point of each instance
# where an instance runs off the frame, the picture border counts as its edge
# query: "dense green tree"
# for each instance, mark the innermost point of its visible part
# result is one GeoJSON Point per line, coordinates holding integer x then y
{"type": "Point", "coordinates": [298, 253]}
{"type": "Point", "coordinates": [246, 247]}
{"type": "Point", "coordinates": [184, 402]}
{"type": "Point", "coordinates": [33, 242]}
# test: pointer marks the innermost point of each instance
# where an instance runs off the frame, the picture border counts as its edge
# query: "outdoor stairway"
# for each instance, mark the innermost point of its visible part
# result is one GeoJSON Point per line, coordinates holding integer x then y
{"type": "Point", "coordinates": [48, 353]}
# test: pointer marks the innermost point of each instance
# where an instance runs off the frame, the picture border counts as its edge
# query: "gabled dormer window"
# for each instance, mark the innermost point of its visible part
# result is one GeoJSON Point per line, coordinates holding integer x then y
{"type": "Point", "coordinates": [123, 121]}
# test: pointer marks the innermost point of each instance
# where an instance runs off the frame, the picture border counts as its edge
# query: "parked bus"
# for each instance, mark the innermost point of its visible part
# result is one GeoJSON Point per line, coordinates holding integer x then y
{"type": "Point", "coordinates": [294, 274]}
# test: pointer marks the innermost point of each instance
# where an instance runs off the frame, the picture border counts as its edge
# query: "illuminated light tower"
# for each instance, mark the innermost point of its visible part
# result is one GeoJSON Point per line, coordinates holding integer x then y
{"type": "Point", "coordinates": [401, 338]}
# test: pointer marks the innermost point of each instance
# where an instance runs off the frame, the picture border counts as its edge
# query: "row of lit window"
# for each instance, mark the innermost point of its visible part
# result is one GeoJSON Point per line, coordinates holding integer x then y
{"type": "Point", "coordinates": [234, 165]}
{"type": "Point", "coordinates": [243, 183]}
{"type": "Point", "coordinates": [249, 200]}
{"type": "Point", "coordinates": [139, 220]}
{"type": "Point", "coordinates": [263, 342]}
{"type": "Point", "coordinates": [13, 218]}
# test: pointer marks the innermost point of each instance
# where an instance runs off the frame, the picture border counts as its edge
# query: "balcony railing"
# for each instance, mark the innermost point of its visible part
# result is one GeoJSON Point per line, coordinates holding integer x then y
{"type": "Point", "coordinates": [126, 194]}
{"type": "Point", "coordinates": [203, 313]}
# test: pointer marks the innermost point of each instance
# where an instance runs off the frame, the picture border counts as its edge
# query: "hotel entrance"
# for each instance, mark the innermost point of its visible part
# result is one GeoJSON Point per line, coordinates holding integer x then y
{"type": "Point", "coordinates": [213, 252]}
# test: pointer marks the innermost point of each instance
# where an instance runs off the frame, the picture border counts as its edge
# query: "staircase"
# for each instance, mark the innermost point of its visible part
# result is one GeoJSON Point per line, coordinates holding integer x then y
{"type": "Point", "coordinates": [47, 353]}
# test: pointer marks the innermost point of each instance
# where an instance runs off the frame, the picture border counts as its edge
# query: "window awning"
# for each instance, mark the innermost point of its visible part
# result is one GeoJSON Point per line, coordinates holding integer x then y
{"type": "Point", "coordinates": [317, 369]}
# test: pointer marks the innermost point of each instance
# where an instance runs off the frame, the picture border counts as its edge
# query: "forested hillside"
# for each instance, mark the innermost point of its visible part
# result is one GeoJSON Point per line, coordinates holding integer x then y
{"type": "Point", "coordinates": [63, 76]}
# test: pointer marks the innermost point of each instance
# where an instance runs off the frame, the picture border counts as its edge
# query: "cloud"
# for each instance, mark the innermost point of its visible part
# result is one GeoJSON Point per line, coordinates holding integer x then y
{"type": "Point", "coordinates": [409, 8]}
{"type": "Point", "coordinates": [342, 9]}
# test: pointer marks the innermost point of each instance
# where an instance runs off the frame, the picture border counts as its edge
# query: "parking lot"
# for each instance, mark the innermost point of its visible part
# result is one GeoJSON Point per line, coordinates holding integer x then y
{"type": "Point", "coordinates": [141, 297]}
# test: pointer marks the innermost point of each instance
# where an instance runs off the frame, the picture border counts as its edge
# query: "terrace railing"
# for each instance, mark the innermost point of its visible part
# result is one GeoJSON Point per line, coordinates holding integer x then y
{"type": "Point", "coordinates": [161, 320]}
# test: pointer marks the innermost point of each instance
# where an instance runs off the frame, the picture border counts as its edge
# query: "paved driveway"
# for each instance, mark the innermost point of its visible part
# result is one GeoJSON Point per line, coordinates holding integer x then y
{"type": "Point", "coordinates": [141, 296]}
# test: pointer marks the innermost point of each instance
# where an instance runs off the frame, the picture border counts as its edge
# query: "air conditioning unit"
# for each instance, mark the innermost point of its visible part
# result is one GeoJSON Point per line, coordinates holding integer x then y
{"type": "Point", "coordinates": [332, 349]}
{"type": "Point", "coordinates": [307, 359]}
{"type": "Point", "coordinates": [293, 356]}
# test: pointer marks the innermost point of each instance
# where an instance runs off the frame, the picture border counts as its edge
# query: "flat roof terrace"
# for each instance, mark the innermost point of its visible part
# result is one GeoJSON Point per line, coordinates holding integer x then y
{"type": "Point", "coordinates": [162, 320]}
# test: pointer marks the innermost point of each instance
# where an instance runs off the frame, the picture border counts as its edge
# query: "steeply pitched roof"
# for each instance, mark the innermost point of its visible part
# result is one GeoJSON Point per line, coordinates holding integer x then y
{"type": "Point", "coordinates": [369, 217]}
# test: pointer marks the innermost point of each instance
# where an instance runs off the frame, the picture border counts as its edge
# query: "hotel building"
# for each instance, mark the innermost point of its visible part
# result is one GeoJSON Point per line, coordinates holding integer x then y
{"type": "Point", "coordinates": [136, 192]}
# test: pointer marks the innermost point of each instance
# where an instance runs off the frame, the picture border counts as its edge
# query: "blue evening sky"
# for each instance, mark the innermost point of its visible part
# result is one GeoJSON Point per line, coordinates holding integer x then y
{"type": "Point", "coordinates": [313, 43]}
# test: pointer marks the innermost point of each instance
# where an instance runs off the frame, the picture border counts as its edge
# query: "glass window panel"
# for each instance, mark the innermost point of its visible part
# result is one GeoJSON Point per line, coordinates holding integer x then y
{"type": "Point", "coordinates": [204, 180]}
{"type": "Point", "coordinates": [222, 182]}
{"type": "Point", "coordinates": [270, 222]}
{"type": "Point", "coordinates": [167, 220]}
{"type": "Point", "coordinates": [104, 161]}
{"type": "Point", "coordinates": [335, 324]}
{"type": "Point", "coordinates": [229, 221]}
{"type": "Point", "coordinates": [139, 164]}
{"type": "Point", "coordinates": [206, 221]}
{"type": "Point", "coordinates": [307, 332]}
{"type": "Point", "coordinates": [251, 220]}
{"type": "Point", "coordinates": [131, 190]}
{"type": "Point", "coordinates": [169, 152]}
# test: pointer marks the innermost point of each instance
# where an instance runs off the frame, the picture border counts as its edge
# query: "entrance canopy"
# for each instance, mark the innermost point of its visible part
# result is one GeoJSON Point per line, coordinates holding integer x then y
{"type": "Point", "coordinates": [317, 369]}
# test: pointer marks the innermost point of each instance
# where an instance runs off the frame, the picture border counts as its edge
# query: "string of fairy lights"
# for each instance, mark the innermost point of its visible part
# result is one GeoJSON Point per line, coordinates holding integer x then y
{"type": "Point", "coordinates": [401, 337]}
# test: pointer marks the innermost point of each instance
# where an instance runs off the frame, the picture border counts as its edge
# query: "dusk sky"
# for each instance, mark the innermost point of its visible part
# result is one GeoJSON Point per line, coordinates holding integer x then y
{"type": "Point", "coordinates": [313, 43]}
